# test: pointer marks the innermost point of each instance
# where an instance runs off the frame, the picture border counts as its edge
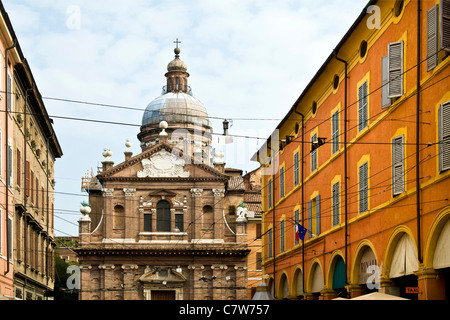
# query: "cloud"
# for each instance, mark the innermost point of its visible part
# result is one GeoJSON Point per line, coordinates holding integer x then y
{"type": "Point", "coordinates": [247, 59]}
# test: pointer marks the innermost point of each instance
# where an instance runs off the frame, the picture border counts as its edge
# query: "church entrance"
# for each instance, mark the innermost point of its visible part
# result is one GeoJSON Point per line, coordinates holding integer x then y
{"type": "Point", "coordinates": [163, 294]}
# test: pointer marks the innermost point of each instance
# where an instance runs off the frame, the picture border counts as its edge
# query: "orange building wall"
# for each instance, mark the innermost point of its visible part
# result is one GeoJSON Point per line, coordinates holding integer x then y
{"type": "Point", "coordinates": [388, 216]}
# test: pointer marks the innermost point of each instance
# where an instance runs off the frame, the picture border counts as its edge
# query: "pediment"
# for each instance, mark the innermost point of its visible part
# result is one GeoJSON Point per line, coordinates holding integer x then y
{"type": "Point", "coordinates": [158, 275]}
{"type": "Point", "coordinates": [165, 193]}
{"type": "Point", "coordinates": [160, 162]}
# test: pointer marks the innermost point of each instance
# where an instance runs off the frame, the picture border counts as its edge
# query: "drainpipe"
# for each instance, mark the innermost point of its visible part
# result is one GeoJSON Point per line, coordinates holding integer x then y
{"type": "Point", "coordinates": [345, 166]}
{"type": "Point", "coordinates": [419, 249]}
{"type": "Point", "coordinates": [303, 199]}
{"type": "Point", "coordinates": [7, 162]}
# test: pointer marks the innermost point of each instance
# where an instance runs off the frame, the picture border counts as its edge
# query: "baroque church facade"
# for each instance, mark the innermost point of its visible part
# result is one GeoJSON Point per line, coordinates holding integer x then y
{"type": "Point", "coordinates": [159, 224]}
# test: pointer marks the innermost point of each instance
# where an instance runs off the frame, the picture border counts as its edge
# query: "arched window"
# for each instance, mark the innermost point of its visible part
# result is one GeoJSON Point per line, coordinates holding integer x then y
{"type": "Point", "coordinates": [163, 216]}
{"type": "Point", "coordinates": [119, 217]}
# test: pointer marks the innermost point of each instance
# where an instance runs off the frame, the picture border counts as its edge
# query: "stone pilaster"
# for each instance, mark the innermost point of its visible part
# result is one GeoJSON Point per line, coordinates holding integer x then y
{"type": "Point", "coordinates": [128, 282]}
{"type": "Point", "coordinates": [130, 220]}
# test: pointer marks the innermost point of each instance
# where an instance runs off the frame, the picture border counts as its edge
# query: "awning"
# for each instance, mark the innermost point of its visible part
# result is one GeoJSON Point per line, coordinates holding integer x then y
{"type": "Point", "coordinates": [404, 261]}
{"type": "Point", "coordinates": [317, 281]}
{"type": "Point", "coordinates": [442, 253]}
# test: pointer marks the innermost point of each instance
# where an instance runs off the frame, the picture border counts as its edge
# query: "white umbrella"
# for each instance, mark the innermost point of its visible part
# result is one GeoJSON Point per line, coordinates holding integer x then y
{"type": "Point", "coordinates": [378, 296]}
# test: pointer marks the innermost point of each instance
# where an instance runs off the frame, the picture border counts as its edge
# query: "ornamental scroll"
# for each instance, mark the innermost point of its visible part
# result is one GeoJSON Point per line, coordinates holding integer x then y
{"type": "Point", "coordinates": [163, 164]}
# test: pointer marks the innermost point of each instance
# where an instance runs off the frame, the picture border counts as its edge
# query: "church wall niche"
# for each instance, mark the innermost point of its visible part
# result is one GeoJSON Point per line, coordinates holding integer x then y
{"type": "Point", "coordinates": [118, 221]}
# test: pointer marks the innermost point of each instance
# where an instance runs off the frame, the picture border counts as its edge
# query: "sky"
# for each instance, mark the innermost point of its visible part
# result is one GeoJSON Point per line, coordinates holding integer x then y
{"type": "Point", "coordinates": [248, 60]}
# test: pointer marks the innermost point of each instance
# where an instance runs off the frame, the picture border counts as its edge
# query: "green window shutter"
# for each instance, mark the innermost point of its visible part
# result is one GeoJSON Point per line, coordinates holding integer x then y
{"type": "Point", "coordinates": [432, 37]}
{"type": "Point", "coordinates": [395, 68]}
{"type": "Point", "coordinates": [362, 106]}
{"type": "Point", "coordinates": [385, 100]}
{"type": "Point", "coordinates": [270, 243]}
{"type": "Point", "coordinates": [444, 136]}
{"type": "Point", "coordinates": [363, 188]}
{"type": "Point", "coordinates": [398, 172]}
{"type": "Point", "coordinates": [296, 169]}
{"type": "Point", "coordinates": [313, 154]}
{"type": "Point", "coordinates": [310, 219]}
{"type": "Point", "coordinates": [335, 131]}
{"type": "Point", "coordinates": [335, 198]}
{"type": "Point", "coordinates": [270, 194]}
{"type": "Point", "coordinates": [318, 215]}
{"type": "Point", "coordinates": [445, 25]}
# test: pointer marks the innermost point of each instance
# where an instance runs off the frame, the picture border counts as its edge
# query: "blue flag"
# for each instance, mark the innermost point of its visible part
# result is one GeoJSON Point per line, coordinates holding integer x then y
{"type": "Point", "coordinates": [300, 232]}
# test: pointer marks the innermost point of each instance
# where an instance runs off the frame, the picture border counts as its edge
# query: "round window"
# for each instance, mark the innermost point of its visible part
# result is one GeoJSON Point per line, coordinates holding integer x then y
{"type": "Point", "coordinates": [314, 107]}
{"type": "Point", "coordinates": [335, 81]}
{"type": "Point", "coordinates": [363, 49]}
{"type": "Point", "coordinates": [398, 7]}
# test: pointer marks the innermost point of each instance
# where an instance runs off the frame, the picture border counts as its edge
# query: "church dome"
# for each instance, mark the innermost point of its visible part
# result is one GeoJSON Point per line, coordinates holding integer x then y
{"type": "Point", "coordinates": [176, 107]}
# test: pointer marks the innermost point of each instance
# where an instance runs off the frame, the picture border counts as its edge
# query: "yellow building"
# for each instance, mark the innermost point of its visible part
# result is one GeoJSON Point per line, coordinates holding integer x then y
{"type": "Point", "coordinates": [362, 162]}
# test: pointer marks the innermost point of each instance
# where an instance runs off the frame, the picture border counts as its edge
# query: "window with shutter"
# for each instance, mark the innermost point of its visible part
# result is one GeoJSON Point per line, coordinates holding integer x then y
{"type": "Point", "coordinates": [270, 194]}
{"type": "Point", "coordinates": [362, 106]}
{"type": "Point", "coordinates": [296, 221]}
{"type": "Point", "coordinates": [317, 200]}
{"type": "Point", "coordinates": [296, 169]}
{"type": "Point", "coordinates": [19, 166]}
{"type": "Point", "coordinates": [270, 243]}
{"type": "Point", "coordinates": [398, 172]}
{"type": "Point", "coordinates": [432, 38]}
{"type": "Point", "coordinates": [282, 182]}
{"type": "Point", "coordinates": [444, 136]}
{"type": "Point", "coordinates": [314, 154]}
{"type": "Point", "coordinates": [385, 100]}
{"type": "Point", "coordinates": [335, 131]}
{"type": "Point", "coordinates": [10, 166]}
{"type": "Point", "coordinates": [395, 68]}
{"type": "Point", "coordinates": [9, 92]}
{"type": "Point", "coordinates": [335, 199]}
{"type": "Point", "coordinates": [363, 188]}
{"type": "Point", "coordinates": [27, 179]}
{"type": "Point", "coordinates": [282, 247]}
{"type": "Point", "coordinates": [445, 25]}
{"type": "Point", "coordinates": [310, 218]}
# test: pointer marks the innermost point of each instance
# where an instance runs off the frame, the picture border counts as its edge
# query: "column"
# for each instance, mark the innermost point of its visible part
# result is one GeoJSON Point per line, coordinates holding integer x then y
{"type": "Point", "coordinates": [431, 285]}
{"type": "Point", "coordinates": [129, 285]}
{"type": "Point", "coordinates": [218, 213]}
{"type": "Point", "coordinates": [196, 211]}
{"type": "Point", "coordinates": [108, 278]}
{"type": "Point", "coordinates": [108, 210]}
{"type": "Point", "coordinates": [130, 219]}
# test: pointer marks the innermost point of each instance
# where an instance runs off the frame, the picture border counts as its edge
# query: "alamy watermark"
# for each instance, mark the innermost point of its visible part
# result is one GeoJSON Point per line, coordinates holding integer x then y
{"type": "Point", "coordinates": [73, 20]}
{"type": "Point", "coordinates": [74, 280]}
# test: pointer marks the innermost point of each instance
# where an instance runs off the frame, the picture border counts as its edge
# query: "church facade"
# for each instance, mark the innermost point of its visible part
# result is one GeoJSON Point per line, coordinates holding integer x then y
{"type": "Point", "coordinates": [158, 224]}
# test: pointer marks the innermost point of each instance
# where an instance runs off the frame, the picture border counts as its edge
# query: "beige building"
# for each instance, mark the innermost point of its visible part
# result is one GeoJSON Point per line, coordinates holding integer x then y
{"type": "Point", "coordinates": [31, 147]}
{"type": "Point", "coordinates": [166, 223]}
